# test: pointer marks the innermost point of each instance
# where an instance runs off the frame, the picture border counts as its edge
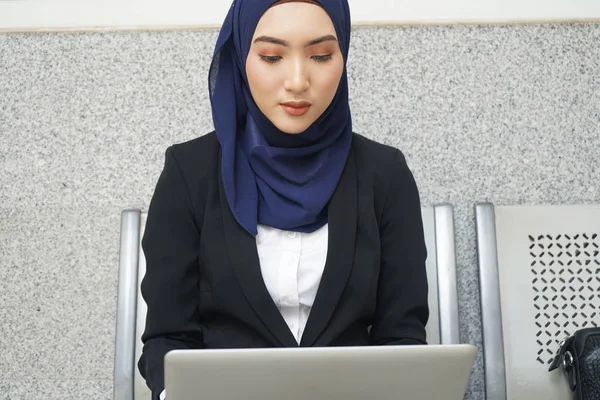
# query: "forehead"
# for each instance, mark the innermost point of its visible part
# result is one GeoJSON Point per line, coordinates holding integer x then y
{"type": "Point", "coordinates": [295, 18]}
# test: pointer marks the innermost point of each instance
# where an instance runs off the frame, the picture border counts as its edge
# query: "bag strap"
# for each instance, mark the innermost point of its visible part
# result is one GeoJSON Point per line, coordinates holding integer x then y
{"type": "Point", "coordinates": [565, 360]}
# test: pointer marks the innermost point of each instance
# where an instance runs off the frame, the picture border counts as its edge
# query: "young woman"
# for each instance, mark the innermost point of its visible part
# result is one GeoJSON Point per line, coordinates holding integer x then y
{"type": "Point", "coordinates": [282, 227]}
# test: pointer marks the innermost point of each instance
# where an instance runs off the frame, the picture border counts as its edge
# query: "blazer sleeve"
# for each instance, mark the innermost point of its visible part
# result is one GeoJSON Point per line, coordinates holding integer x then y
{"type": "Point", "coordinates": [170, 285]}
{"type": "Point", "coordinates": [402, 310]}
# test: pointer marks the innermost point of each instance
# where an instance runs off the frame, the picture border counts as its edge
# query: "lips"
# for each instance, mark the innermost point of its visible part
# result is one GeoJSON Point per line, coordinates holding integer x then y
{"type": "Point", "coordinates": [296, 104]}
{"type": "Point", "coordinates": [296, 108]}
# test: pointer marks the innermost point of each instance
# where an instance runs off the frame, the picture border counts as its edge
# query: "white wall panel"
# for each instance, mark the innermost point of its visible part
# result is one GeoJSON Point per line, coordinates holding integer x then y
{"type": "Point", "coordinates": [141, 14]}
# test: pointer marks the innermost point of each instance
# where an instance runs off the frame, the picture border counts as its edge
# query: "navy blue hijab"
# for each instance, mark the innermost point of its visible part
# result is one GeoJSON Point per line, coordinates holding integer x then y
{"type": "Point", "coordinates": [270, 177]}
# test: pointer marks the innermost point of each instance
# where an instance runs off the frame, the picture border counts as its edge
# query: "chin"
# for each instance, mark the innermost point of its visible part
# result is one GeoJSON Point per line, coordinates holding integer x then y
{"type": "Point", "coordinates": [292, 129]}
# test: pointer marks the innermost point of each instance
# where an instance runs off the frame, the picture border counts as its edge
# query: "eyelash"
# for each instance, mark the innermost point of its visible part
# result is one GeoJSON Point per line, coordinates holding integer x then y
{"type": "Point", "coordinates": [274, 59]}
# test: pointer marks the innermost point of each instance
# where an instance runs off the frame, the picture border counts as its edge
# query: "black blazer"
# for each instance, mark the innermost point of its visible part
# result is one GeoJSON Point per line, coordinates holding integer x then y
{"type": "Point", "coordinates": [203, 284]}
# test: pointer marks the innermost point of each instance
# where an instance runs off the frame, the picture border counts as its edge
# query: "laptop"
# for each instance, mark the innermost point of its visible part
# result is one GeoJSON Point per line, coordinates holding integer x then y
{"type": "Point", "coordinates": [427, 372]}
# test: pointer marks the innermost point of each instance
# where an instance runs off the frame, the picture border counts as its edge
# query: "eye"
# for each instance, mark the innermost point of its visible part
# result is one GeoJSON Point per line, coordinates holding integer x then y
{"type": "Point", "coordinates": [270, 59]}
{"type": "Point", "coordinates": [323, 58]}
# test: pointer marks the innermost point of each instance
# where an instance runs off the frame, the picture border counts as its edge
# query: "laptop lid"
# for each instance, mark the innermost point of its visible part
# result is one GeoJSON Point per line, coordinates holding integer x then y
{"type": "Point", "coordinates": [428, 372]}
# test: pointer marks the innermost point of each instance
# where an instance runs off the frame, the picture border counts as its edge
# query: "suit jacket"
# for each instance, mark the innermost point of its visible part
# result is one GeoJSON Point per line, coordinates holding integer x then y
{"type": "Point", "coordinates": [203, 284]}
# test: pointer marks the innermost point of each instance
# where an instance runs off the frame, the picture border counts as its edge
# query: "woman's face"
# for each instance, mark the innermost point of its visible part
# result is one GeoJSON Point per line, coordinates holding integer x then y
{"type": "Point", "coordinates": [294, 65]}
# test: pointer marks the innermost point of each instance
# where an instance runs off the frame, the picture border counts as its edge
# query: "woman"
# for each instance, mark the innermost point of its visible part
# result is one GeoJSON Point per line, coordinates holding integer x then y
{"type": "Point", "coordinates": [282, 227]}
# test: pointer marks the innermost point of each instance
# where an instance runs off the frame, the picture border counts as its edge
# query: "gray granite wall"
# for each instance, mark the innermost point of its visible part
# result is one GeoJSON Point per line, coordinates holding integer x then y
{"type": "Point", "coordinates": [505, 114]}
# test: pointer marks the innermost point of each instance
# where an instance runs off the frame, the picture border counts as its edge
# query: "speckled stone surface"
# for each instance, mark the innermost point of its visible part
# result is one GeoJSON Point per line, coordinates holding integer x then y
{"type": "Point", "coordinates": [501, 114]}
{"type": "Point", "coordinates": [85, 118]}
{"type": "Point", "coordinates": [60, 390]}
{"type": "Point", "coordinates": [4, 390]}
{"type": "Point", "coordinates": [58, 280]}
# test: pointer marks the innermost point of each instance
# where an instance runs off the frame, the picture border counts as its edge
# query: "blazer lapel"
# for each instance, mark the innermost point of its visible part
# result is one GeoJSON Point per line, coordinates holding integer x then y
{"type": "Point", "coordinates": [342, 220]}
{"type": "Point", "coordinates": [246, 264]}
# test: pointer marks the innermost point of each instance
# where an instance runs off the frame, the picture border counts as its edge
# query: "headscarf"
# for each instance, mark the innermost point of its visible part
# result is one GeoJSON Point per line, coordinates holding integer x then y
{"type": "Point", "coordinates": [270, 177]}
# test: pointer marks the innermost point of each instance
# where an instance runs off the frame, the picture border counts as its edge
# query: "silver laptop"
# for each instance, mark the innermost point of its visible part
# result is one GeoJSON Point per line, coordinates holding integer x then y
{"type": "Point", "coordinates": [431, 372]}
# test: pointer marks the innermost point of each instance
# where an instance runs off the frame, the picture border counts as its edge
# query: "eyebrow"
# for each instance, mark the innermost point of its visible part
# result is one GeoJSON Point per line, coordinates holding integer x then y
{"type": "Point", "coordinates": [281, 42]}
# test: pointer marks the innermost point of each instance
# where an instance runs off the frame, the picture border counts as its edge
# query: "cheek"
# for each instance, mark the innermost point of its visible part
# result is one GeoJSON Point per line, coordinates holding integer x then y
{"type": "Point", "coordinates": [259, 79]}
{"type": "Point", "coordinates": [329, 79]}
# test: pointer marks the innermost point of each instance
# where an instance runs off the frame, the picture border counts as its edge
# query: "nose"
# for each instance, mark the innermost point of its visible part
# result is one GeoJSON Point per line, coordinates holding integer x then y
{"type": "Point", "coordinates": [298, 80]}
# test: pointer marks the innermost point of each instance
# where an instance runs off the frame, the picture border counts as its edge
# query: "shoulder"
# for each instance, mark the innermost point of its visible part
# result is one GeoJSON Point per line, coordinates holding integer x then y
{"type": "Point", "coordinates": [197, 157]}
{"type": "Point", "coordinates": [201, 147]}
{"type": "Point", "coordinates": [194, 164]}
{"type": "Point", "coordinates": [382, 171]}
{"type": "Point", "coordinates": [370, 147]}
{"type": "Point", "coordinates": [381, 161]}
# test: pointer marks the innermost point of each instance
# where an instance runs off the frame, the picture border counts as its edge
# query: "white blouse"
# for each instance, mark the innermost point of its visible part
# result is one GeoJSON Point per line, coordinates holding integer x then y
{"type": "Point", "coordinates": [291, 264]}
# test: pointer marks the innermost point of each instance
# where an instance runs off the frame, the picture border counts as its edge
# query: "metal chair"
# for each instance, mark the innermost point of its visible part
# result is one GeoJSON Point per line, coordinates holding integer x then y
{"type": "Point", "coordinates": [540, 281]}
{"type": "Point", "coordinates": [443, 326]}
{"type": "Point", "coordinates": [131, 310]}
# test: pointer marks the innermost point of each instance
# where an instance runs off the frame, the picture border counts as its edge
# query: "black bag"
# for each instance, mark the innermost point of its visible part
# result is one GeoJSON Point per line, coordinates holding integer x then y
{"type": "Point", "coordinates": [579, 357]}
